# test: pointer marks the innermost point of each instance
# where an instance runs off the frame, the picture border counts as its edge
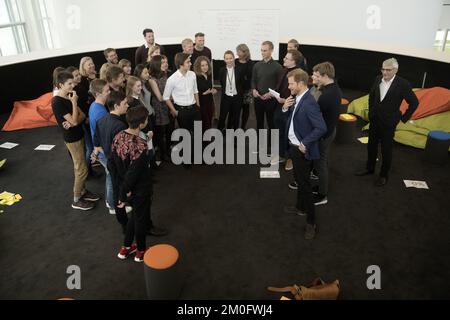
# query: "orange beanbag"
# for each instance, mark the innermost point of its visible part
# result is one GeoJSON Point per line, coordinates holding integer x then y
{"type": "Point", "coordinates": [31, 114]}
{"type": "Point", "coordinates": [431, 101]}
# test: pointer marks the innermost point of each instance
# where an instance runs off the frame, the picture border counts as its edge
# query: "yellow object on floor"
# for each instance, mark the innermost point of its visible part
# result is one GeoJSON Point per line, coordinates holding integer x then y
{"type": "Point", "coordinates": [8, 199]}
{"type": "Point", "coordinates": [2, 163]}
{"type": "Point", "coordinates": [364, 140]}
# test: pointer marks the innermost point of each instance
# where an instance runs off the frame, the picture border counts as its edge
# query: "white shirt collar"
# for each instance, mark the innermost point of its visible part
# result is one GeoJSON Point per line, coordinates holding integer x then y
{"type": "Point", "coordinates": [298, 98]}
{"type": "Point", "coordinates": [388, 82]}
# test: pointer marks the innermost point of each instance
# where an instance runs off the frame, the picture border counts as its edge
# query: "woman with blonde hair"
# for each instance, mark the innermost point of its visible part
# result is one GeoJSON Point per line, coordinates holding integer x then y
{"type": "Point", "coordinates": [134, 92]}
{"type": "Point", "coordinates": [202, 68]}
{"type": "Point", "coordinates": [153, 52]}
{"type": "Point", "coordinates": [87, 68]}
{"type": "Point", "coordinates": [245, 64]}
{"type": "Point", "coordinates": [125, 65]}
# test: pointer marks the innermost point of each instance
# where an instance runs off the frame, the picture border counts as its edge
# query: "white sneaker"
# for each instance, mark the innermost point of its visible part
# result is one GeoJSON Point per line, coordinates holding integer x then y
{"type": "Point", "coordinates": [112, 211]}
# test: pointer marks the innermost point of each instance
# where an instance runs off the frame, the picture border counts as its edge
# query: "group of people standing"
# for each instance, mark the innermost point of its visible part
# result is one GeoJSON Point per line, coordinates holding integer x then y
{"type": "Point", "coordinates": [125, 120]}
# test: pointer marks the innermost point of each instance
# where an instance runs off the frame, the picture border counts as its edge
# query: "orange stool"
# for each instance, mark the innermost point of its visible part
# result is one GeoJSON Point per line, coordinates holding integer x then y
{"type": "Point", "coordinates": [162, 272]}
{"type": "Point", "coordinates": [345, 130]}
{"type": "Point", "coordinates": [344, 105]}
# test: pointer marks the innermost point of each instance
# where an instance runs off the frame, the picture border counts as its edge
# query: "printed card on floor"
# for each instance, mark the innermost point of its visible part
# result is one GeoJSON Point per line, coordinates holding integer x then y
{"type": "Point", "coordinates": [45, 147]}
{"type": "Point", "coordinates": [416, 184]}
{"type": "Point", "coordinates": [267, 173]}
{"type": "Point", "coordinates": [8, 145]}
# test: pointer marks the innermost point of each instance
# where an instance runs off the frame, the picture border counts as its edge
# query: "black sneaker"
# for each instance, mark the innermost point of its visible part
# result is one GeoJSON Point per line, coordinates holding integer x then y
{"type": "Point", "coordinates": [91, 197]}
{"type": "Point", "coordinates": [83, 205]}
{"type": "Point", "coordinates": [293, 185]}
{"type": "Point", "coordinates": [315, 190]}
{"type": "Point", "coordinates": [320, 199]}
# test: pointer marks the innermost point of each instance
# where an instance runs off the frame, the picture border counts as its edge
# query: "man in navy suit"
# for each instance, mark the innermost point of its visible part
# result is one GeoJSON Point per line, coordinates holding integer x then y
{"type": "Point", "coordinates": [305, 127]}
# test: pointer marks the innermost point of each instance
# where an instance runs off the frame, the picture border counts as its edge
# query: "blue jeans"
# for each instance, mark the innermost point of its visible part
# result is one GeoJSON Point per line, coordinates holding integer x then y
{"type": "Point", "coordinates": [89, 146]}
{"type": "Point", "coordinates": [108, 181]}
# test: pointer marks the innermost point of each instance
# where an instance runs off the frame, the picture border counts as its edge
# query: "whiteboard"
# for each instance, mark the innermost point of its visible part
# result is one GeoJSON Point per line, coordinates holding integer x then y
{"type": "Point", "coordinates": [225, 29]}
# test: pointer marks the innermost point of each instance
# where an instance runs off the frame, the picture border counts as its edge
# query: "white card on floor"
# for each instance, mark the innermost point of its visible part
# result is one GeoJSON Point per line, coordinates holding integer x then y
{"type": "Point", "coordinates": [267, 173]}
{"type": "Point", "coordinates": [8, 145]}
{"type": "Point", "coordinates": [416, 184]}
{"type": "Point", "coordinates": [158, 163]}
{"type": "Point", "coordinates": [45, 147]}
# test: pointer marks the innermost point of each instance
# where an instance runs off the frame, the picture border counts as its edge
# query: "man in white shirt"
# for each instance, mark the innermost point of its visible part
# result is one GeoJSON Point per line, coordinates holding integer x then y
{"type": "Point", "coordinates": [181, 87]}
{"type": "Point", "coordinates": [385, 98]}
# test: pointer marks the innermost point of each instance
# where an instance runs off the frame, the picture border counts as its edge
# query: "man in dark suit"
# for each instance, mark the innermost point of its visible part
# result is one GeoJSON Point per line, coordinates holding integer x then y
{"type": "Point", "coordinates": [305, 127]}
{"type": "Point", "coordinates": [141, 55]}
{"type": "Point", "coordinates": [385, 99]}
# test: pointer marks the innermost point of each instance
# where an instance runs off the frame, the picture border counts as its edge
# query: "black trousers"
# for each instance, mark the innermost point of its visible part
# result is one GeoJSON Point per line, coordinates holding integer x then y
{"type": "Point", "coordinates": [280, 121]}
{"type": "Point", "coordinates": [379, 132]}
{"type": "Point", "coordinates": [265, 108]}
{"type": "Point", "coordinates": [230, 107]}
{"type": "Point", "coordinates": [302, 169]}
{"type": "Point", "coordinates": [186, 118]}
{"type": "Point", "coordinates": [245, 115]}
{"type": "Point", "coordinates": [139, 221]}
{"type": "Point", "coordinates": [163, 135]}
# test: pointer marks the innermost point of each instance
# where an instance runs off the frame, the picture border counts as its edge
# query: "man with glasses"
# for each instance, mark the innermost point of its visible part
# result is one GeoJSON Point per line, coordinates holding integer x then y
{"type": "Point", "coordinates": [385, 99]}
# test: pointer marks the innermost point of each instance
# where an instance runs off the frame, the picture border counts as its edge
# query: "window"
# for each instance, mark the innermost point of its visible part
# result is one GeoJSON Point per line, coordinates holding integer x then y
{"type": "Point", "coordinates": [442, 40]}
{"type": "Point", "coordinates": [447, 42]}
{"type": "Point", "coordinates": [13, 39]}
{"type": "Point", "coordinates": [45, 24]}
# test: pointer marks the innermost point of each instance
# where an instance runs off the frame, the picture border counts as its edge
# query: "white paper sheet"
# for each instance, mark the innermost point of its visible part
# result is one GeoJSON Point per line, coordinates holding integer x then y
{"type": "Point", "coordinates": [266, 173]}
{"type": "Point", "coordinates": [274, 93]}
{"type": "Point", "coordinates": [8, 145]}
{"type": "Point", "coordinates": [45, 147]}
{"type": "Point", "coordinates": [416, 184]}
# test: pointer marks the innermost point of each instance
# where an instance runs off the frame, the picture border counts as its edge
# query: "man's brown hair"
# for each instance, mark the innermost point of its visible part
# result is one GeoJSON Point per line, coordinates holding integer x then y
{"type": "Point", "coordinates": [325, 68]}
{"type": "Point", "coordinates": [299, 76]}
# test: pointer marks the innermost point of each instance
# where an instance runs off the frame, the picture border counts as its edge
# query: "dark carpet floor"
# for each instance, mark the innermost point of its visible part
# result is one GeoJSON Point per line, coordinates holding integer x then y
{"type": "Point", "coordinates": [230, 229]}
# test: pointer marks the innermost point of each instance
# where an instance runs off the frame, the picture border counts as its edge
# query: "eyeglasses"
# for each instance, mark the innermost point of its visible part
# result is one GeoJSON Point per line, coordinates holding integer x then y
{"type": "Point", "coordinates": [387, 70]}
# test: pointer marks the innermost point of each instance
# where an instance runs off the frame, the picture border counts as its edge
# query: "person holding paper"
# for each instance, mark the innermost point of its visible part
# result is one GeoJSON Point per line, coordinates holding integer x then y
{"type": "Point", "coordinates": [305, 127]}
{"type": "Point", "coordinates": [385, 98]}
{"type": "Point", "coordinates": [265, 76]}
{"type": "Point", "coordinates": [290, 63]}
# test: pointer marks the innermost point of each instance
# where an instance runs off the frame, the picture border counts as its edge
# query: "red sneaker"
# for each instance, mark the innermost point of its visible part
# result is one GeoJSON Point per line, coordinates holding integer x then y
{"type": "Point", "coordinates": [125, 252]}
{"type": "Point", "coordinates": [139, 257]}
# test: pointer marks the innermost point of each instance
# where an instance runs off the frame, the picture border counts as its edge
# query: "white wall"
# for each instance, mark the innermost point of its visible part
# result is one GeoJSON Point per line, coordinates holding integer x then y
{"type": "Point", "coordinates": [445, 17]}
{"type": "Point", "coordinates": [406, 26]}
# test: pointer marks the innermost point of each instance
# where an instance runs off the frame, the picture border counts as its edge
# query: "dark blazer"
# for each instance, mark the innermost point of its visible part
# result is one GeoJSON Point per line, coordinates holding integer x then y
{"type": "Point", "coordinates": [309, 125]}
{"type": "Point", "coordinates": [388, 111]}
{"type": "Point", "coordinates": [239, 79]}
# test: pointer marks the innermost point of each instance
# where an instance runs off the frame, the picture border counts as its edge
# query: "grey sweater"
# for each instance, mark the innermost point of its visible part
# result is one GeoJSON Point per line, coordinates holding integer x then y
{"type": "Point", "coordinates": [265, 75]}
